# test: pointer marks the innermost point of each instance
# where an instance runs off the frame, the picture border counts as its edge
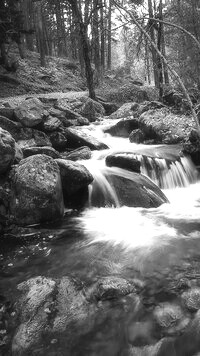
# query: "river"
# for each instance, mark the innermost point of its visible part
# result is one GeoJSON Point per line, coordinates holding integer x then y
{"type": "Point", "coordinates": [160, 247]}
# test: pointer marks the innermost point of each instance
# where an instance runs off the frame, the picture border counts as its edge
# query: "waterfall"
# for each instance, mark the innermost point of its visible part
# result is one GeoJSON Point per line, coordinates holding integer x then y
{"type": "Point", "coordinates": [168, 174]}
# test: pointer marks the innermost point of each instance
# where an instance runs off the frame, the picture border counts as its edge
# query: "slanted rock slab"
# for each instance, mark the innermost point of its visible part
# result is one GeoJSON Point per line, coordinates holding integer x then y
{"type": "Point", "coordinates": [77, 138]}
{"type": "Point", "coordinates": [125, 161]}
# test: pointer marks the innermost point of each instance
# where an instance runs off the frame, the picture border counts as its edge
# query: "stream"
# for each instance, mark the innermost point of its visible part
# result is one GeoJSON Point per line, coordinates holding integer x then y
{"type": "Point", "coordinates": [158, 247]}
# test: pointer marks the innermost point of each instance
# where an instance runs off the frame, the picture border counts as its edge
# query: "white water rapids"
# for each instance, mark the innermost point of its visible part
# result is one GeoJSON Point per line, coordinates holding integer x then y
{"type": "Point", "coordinates": [139, 228]}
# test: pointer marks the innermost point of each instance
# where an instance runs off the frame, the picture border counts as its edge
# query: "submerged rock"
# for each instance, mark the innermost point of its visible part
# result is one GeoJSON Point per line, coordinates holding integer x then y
{"type": "Point", "coordinates": [36, 190]}
{"type": "Point", "coordinates": [191, 299]}
{"type": "Point", "coordinates": [7, 150]}
{"type": "Point", "coordinates": [111, 288]}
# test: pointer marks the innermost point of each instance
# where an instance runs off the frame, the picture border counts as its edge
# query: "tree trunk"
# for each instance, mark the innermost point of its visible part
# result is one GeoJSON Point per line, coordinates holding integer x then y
{"type": "Point", "coordinates": [154, 55]}
{"type": "Point", "coordinates": [109, 35]}
{"type": "Point", "coordinates": [96, 37]}
{"type": "Point", "coordinates": [40, 32]}
{"type": "Point", "coordinates": [194, 115]}
{"type": "Point", "coordinates": [102, 39]}
{"type": "Point", "coordinates": [85, 47]}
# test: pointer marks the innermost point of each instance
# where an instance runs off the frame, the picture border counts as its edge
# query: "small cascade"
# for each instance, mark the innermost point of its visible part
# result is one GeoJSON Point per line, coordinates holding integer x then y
{"type": "Point", "coordinates": [168, 174]}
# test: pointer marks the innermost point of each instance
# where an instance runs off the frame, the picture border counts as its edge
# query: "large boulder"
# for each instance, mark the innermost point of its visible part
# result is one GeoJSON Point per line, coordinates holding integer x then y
{"type": "Point", "coordinates": [12, 127]}
{"type": "Point", "coordinates": [7, 150]}
{"type": "Point", "coordinates": [58, 140]}
{"type": "Point", "coordinates": [28, 137]}
{"type": "Point", "coordinates": [125, 161]}
{"type": "Point", "coordinates": [92, 110]}
{"type": "Point", "coordinates": [77, 138]}
{"type": "Point", "coordinates": [36, 190]}
{"type": "Point", "coordinates": [162, 125]}
{"type": "Point", "coordinates": [123, 128]}
{"type": "Point", "coordinates": [126, 188]}
{"type": "Point", "coordinates": [75, 180]}
{"type": "Point", "coordinates": [7, 112]}
{"type": "Point", "coordinates": [30, 112]}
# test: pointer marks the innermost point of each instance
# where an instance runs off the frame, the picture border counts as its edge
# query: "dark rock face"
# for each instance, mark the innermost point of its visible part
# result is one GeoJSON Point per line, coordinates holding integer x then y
{"type": "Point", "coordinates": [49, 151]}
{"type": "Point", "coordinates": [137, 136]}
{"type": "Point", "coordinates": [125, 161]}
{"type": "Point", "coordinates": [77, 138]}
{"type": "Point", "coordinates": [73, 176]}
{"type": "Point", "coordinates": [137, 191]}
{"type": "Point", "coordinates": [51, 124]}
{"type": "Point", "coordinates": [58, 141]}
{"type": "Point", "coordinates": [123, 128]}
{"type": "Point", "coordinates": [28, 137]}
{"type": "Point", "coordinates": [78, 154]}
{"type": "Point", "coordinates": [7, 112]}
{"type": "Point", "coordinates": [92, 110]}
{"type": "Point", "coordinates": [7, 150]}
{"type": "Point", "coordinates": [12, 127]}
{"type": "Point", "coordinates": [30, 112]}
{"type": "Point", "coordinates": [36, 190]}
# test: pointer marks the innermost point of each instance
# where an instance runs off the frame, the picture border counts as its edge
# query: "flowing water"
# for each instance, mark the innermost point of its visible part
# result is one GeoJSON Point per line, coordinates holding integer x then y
{"type": "Point", "coordinates": [158, 247]}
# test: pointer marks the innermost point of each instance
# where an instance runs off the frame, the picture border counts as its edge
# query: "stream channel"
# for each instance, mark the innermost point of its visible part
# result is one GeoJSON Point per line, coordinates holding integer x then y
{"type": "Point", "coordinates": [157, 247]}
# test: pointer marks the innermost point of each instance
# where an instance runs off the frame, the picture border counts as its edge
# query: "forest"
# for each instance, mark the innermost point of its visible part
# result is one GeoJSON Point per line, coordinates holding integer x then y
{"type": "Point", "coordinates": [99, 177]}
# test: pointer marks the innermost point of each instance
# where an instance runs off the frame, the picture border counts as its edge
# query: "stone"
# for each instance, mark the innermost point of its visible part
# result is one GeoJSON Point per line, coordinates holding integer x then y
{"type": "Point", "coordinates": [7, 150]}
{"type": "Point", "coordinates": [124, 111]}
{"type": "Point", "coordinates": [58, 141]}
{"type": "Point", "coordinates": [30, 112]}
{"type": "Point", "coordinates": [12, 127]}
{"type": "Point", "coordinates": [56, 113]}
{"type": "Point", "coordinates": [49, 151]}
{"type": "Point", "coordinates": [191, 299]}
{"type": "Point", "coordinates": [126, 161]}
{"type": "Point", "coordinates": [28, 137]}
{"type": "Point", "coordinates": [132, 189]}
{"type": "Point", "coordinates": [73, 175]}
{"type": "Point", "coordinates": [171, 318]}
{"type": "Point", "coordinates": [123, 128]}
{"type": "Point", "coordinates": [18, 153]}
{"type": "Point", "coordinates": [51, 124]}
{"type": "Point", "coordinates": [7, 112]}
{"type": "Point", "coordinates": [36, 190]}
{"type": "Point", "coordinates": [191, 146]}
{"type": "Point", "coordinates": [107, 288]}
{"type": "Point", "coordinates": [76, 138]}
{"type": "Point", "coordinates": [92, 110]}
{"type": "Point", "coordinates": [78, 154]}
{"type": "Point", "coordinates": [137, 136]}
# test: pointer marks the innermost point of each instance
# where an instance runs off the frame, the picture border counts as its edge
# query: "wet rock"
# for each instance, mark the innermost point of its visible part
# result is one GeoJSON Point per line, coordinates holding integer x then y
{"type": "Point", "coordinates": [123, 128]}
{"type": "Point", "coordinates": [140, 333]}
{"type": "Point", "coordinates": [51, 124]}
{"type": "Point", "coordinates": [7, 150]}
{"type": "Point", "coordinates": [49, 151]}
{"type": "Point", "coordinates": [191, 299]}
{"type": "Point", "coordinates": [73, 176]}
{"type": "Point", "coordinates": [76, 138]}
{"type": "Point", "coordinates": [92, 110]}
{"type": "Point", "coordinates": [164, 347]}
{"type": "Point", "coordinates": [125, 161]}
{"type": "Point", "coordinates": [36, 190]}
{"type": "Point", "coordinates": [30, 112]}
{"type": "Point", "coordinates": [170, 318]}
{"type": "Point", "coordinates": [58, 141]}
{"type": "Point", "coordinates": [137, 136]}
{"type": "Point", "coordinates": [78, 154]}
{"type": "Point", "coordinates": [50, 308]}
{"type": "Point", "coordinates": [135, 190]}
{"type": "Point", "coordinates": [111, 288]}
